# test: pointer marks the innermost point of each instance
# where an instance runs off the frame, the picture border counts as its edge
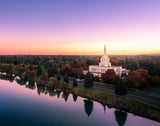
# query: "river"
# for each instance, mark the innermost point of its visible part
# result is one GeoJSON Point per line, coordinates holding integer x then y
{"type": "Point", "coordinates": [25, 104]}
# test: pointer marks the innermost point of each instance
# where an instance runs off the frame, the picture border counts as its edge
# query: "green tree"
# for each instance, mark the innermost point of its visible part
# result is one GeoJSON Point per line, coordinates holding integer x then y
{"type": "Point", "coordinates": [31, 67]}
{"type": "Point", "coordinates": [39, 70]}
{"type": "Point", "coordinates": [53, 81]}
{"type": "Point", "coordinates": [58, 77]}
{"type": "Point", "coordinates": [65, 79]}
{"type": "Point", "coordinates": [19, 70]}
{"type": "Point", "coordinates": [88, 82]}
{"type": "Point", "coordinates": [75, 84]}
{"type": "Point", "coordinates": [120, 88]}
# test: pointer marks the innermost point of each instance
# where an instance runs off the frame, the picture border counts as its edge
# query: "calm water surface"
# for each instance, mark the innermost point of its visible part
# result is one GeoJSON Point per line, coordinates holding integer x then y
{"type": "Point", "coordinates": [28, 105]}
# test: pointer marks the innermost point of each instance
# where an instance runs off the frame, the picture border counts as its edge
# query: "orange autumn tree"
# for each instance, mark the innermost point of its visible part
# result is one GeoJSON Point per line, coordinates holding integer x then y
{"type": "Point", "coordinates": [66, 69]}
{"type": "Point", "coordinates": [140, 79]}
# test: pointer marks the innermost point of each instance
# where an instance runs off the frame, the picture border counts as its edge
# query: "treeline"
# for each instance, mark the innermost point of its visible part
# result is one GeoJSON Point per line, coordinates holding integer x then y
{"type": "Point", "coordinates": [150, 63]}
{"type": "Point", "coordinates": [144, 70]}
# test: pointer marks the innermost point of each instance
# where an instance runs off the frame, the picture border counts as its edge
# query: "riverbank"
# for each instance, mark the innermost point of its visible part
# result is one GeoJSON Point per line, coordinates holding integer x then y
{"type": "Point", "coordinates": [111, 100]}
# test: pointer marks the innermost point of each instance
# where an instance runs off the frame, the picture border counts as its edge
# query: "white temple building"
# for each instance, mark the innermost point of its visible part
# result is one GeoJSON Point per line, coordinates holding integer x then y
{"type": "Point", "coordinates": [104, 65]}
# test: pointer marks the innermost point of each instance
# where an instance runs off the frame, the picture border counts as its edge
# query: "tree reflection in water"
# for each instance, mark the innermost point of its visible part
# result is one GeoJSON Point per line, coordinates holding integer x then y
{"type": "Point", "coordinates": [74, 97]}
{"type": "Point", "coordinates": [7, 77]}
{"type": "Point", "coordinates": [120, 117]}
{"type": "Point", "coordinates": [31, 85]}
{"type": "Point", "coordinates": [58, 94]}
{"type": "Point", "coordinates": [88, 106]}
{"type": "Point", "coordinates": [65, 96]}
{"type": "Point", "coordinates": [20, 81]}
{"type": "Point", "coordinates": [104, 106]}
{"type": "Point", "coordinates": [40, 89]}
{"type": "Point", "coordinates": [51, 91]}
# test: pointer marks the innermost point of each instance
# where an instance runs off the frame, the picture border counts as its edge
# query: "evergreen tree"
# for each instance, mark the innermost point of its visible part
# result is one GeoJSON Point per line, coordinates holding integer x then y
{"type": "Point", "coordinates": [75, 84]}
{"type": "Point", "coordinates": [65, 79]}
{"type": "Point", "coordinates": [58, 77]}
{"type": "Point", "coordinates": [39, 70]}
{"type": "Point", "coordinates": [120, 88]}
{"type": "Point", "coordinates": [88, 82]}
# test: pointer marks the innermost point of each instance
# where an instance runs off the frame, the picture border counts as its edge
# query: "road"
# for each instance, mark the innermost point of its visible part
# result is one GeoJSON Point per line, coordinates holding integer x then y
{"type": "Point", "coordinates": [151, 98]}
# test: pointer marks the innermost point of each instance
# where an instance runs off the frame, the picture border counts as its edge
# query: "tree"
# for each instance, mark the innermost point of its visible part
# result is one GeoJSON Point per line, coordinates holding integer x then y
{"type": "Point", "coordinates": [109, 76]}
{"type": "Point", "coordinates": [31, 67]}
{"type": "Point", "coordinates": [53, 81]}
{"type": "Point", "coordinates": [66, 69]}
{"type": "Point", "coordinates": [75, 84]}
{"type": "Point", "coordinates": [140, 79]}
{"type": "Point", "coordinates": [65, 79]}
{"type": "Point", "coordinates": [8, 68]}
{"type": "Point", "coordinates": [39, 70]}
{"type": "Point", "coordinates": [58, 77]}
{"type": "Point", "coordinates": [52, 71]}
{"type": "Point", "coordinates": [88, 82]}
{"type": "Point", "coordinates": [64, 86]}
{"type": "Point", "coordinates": [44, 78]}
{"type": "Point", "coordinates": [30, 75]}
{"type": "Point", "coordinates": [120, 88]}
{"type": "Point", "coordinates": [19, 70]}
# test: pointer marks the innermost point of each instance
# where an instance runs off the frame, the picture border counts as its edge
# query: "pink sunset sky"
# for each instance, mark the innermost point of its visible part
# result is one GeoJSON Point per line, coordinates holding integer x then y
{"type": "Point", "coordinates": [79, 27]}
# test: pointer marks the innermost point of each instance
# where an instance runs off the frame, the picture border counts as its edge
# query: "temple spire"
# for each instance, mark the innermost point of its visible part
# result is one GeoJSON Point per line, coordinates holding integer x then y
{"type": "Point", "coordinates": [104, 49]}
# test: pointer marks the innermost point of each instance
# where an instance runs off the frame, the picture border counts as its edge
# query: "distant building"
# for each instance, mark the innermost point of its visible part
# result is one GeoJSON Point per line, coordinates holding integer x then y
{"type": "Point", "coordinates": [104, 65]}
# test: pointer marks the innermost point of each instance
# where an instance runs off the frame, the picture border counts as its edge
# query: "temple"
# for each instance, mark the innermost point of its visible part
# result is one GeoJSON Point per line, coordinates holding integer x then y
{"type": "Point", "coordinates": [104, 65]}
